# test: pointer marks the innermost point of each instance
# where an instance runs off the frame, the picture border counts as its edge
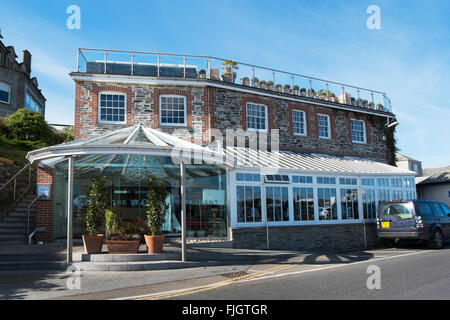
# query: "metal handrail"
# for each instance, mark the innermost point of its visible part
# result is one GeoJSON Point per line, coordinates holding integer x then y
{"type": "Point", "coordinates": [238, 62]}
{"type": "Point", "coordinates": [15, 176]}
{"type": "Point", "coordinates": [28, 215]}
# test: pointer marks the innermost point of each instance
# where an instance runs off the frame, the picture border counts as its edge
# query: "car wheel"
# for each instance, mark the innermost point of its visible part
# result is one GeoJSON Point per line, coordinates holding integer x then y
{"type": "Point", "coordinates": [436, 241]}
{"type": "Point", "coordinates": [390, 243]}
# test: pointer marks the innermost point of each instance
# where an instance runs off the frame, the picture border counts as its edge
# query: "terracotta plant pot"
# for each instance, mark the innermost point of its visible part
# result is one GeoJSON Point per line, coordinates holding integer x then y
{"type": "Point", "coordinates": [123, 246]}
{"type": "Point", "coordinates": [93, 244]}
{"type": "Point", "coordinates": [154, 243]}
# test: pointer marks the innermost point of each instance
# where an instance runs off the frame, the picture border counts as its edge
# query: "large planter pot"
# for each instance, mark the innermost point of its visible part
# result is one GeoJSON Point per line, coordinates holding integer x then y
{"type": "Point", "coordinates": [123, 246]}
{"type": "Point", "coordinates": [93, 244]}
{"type": "Point", "coordinates": [154, 243]}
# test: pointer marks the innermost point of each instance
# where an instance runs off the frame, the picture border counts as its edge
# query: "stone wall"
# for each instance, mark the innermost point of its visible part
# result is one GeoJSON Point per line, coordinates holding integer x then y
{"type": "Point", "coordinates": [323, 238]}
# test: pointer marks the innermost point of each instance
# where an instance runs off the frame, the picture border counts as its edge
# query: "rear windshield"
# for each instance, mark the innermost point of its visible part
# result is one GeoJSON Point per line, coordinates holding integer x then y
{"type": "Point", "coordinates": [399, 210]}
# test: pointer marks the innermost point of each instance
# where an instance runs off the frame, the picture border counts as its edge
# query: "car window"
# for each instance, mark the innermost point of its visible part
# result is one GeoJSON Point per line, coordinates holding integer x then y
{"type": "Point", "coordinates": [445, 208]}
{"type": "Point", "coordinates": [425, 209]}
{"type": "Point", "coordinates": [399, 210]}
{"type": "Point", "coordinates": [438, 209]}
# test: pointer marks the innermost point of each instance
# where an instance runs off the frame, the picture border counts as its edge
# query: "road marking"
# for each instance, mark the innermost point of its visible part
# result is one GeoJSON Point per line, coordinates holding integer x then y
{"type": "Point", "coordinates": [174, 293]}
{"type": "Point", "coordinates": [256, 276]}
{"type": "Point", "coordinates": [334, 266]}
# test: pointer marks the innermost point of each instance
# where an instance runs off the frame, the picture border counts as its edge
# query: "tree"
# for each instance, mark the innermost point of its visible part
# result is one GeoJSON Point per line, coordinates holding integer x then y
{"type": "Point", "coordinates": [156, 203]}
{"type": "Point", "coordinates": [94, 217]}
{"type": "Point", "coordinates": [28, 125]}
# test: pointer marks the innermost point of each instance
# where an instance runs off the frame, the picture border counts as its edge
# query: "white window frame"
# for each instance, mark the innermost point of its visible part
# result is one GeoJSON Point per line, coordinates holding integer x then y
{"type": "Point", "coordinates": [328, 126]}
{"type": "Point", "coordinates": [160, 109]}
{"type": "Point", "coordinates": [9, 92]}
{"type": "Point", "coordinates": [304, 123]}
{"type": "Point", "coordinates": [266, 122]}
{"type": "Point", "coordinates": [99, 108]}
{"type": "Point", "coordinates": [364, 131]}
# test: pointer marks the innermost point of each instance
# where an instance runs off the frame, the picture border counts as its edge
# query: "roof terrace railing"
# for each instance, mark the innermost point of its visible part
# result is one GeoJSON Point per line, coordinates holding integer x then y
{"type": "Point", "coordinates": [157, 64]}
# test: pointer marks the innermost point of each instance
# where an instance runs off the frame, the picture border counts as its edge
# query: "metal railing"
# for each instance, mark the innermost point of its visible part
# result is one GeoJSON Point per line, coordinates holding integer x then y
{"type": "Point", "coordinates": [15, 188]}
{"type": "Point", "coordinates": [28, 214]}
{"type": "Point", "coordinates": [159, 64]}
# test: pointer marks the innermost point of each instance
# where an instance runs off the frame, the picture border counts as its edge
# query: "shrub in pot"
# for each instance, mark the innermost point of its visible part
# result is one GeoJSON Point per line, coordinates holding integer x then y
{"type": "Point", "coordinates": [364, 103]}
{"type": "Point", "coordinates": [124, 237]}
{"type": "Point", "coordinates": [279, 87]}
{"type": "Point", "coordinates": [311, 93]}
{"type": "Point", "coordinates": [359, 102]}
{"type": "Point", "coordinates": [202, 74]}
{"type": "Point", "coordinates": [245, 81]}
{"type": "Point", "coordinates": [94, 216]}
{"type": "Point", "coordinates": [332, 97]}
{"type": "Point", "coordinates": [380, 107]}
{"type": "Point", "coordinates": [262, 84]}
{"type": "Point", "coordinates": [323, 94]}
{"type": "Point", "coordinates": [370, 105]}
{"type": "Point", "coordinates": [270, 85]}
{"type": "Point", "coordinates": [303, 92]}
{"type": "Point", "coordinates": [295, 90]}
{"type": "Point", "coordinates": [287, 88]}
{"type": "Point", "coordinates": [156, 212]}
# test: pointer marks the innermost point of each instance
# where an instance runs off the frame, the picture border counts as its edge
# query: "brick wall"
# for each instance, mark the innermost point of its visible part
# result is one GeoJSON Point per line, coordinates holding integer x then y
{"type": "Point", "coordinates": [44, 208]}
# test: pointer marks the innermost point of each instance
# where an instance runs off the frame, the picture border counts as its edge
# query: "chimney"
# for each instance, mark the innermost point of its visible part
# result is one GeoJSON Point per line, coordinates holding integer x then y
{"type": "Point", "coordinates": [26, 60]}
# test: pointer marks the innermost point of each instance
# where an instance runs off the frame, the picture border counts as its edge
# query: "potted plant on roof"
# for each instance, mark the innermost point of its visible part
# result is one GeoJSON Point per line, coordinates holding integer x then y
{"type": "Point", "coordinates": [370, 105]}
{"type": "Point", "coordinates": [311, 93]}
{"type": "Point", "coordinates": [156, 213]}
{"type": "Point", "coordinates": [270, 85]}
{"type": "Point", "coordinates": [279, 87]}
{"type": "Point", "coordinates": [303, 92]}
{"type": "Point", "coordinates": [255, 82]}
{"type": "Point", "coordinates": [229, 66]}
{"type": "Point", "coordinates": [94, 215]}
{"type": "Point", "coordinates": [323, 94]}
{"type": "Point", "coordinates": [332, 97]}
{"type": "Point", "coordinates": [359, 102]}
{"type": "Point", "coordinates": [202, 74]}
{"type": "Point", "coordinates": [287, 88]}
{"type": "Point", "coordinates": [295, 90]}
{"type": "Point", "coordinates": [263, 84]}
{"type": "Point", "coordinates": [245, 81]}
{"type": "Point", "coordinates": [380, 107]}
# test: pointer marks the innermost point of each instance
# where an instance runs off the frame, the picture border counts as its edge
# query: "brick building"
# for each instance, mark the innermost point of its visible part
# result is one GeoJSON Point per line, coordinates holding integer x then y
{"type": "Point", "coordinates": [310, 157]}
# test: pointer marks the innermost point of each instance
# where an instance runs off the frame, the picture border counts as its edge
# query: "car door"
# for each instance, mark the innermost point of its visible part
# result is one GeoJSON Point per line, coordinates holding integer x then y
{"type": "Point", "coordinates": [446, 210]}
{"type": "Point", "coordinates": [441, 217]}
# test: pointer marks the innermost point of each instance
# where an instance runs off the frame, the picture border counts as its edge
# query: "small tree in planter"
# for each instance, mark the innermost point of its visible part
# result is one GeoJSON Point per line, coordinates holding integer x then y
{"type": "Point", "coordinates": [270, 85]}
{"type": "Point", "coordinates": [303, 92]}
{"type": "Point", "coordinates": [156, 212]}
{"type": "Point", "coordinates": [311, 93]}
{"type": "Point", "coordinates": [295, 90]}
{"type": "Point", "coordinates": [380, 107]}
{"type": "Point", "coordinates": [94, 217]}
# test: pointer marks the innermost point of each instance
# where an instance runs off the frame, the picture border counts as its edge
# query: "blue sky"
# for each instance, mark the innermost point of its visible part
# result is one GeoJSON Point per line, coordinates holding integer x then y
{"type": "Point", "coordinates": [408, 58]}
